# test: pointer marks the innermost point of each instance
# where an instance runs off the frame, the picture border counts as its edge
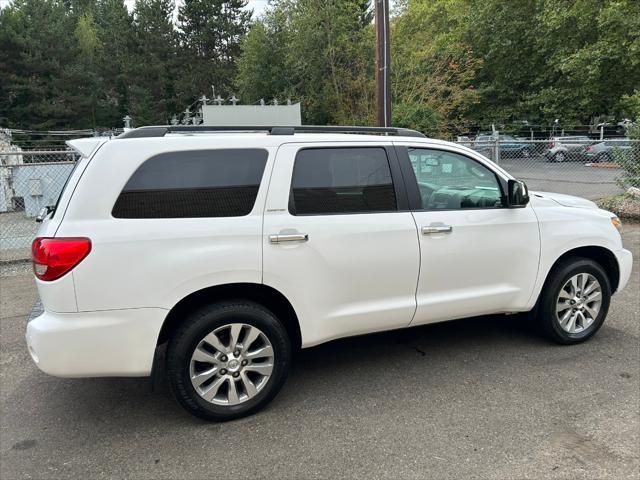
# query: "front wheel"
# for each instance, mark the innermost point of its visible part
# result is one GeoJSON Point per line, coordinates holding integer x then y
{"type": "Point", "coordinates": [228, 360]}
{"type": "Point", "coordinates": [574, 301]}
{"type": "Point", "coordinates": [559, 157]}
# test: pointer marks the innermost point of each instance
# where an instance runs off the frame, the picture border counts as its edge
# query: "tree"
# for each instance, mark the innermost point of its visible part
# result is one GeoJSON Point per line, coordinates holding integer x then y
{"type": "Point", "coordinates": [211, 34]}
{"type": "Point", "coordinates": [34, 51]}
{"type": "Point", "coordinates": [432, 68]}
{"type": "Point", "coordinates": [156, 68]}
{"type": "Point", "coordinates": [592, 52]}
{"type": "Point", "coordinates": [116, 60]}
{"type": "Point", "coordinates": [319, 53]}
{"type": "Point", "coordinates": [262, 66]}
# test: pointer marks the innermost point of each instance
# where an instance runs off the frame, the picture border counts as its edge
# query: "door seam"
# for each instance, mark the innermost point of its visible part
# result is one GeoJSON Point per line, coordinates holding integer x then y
{"type": "Point", "coordinates": [415, 296]}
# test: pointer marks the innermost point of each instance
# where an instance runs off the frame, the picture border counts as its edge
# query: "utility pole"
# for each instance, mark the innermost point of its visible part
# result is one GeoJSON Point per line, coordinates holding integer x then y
{"type": "Point", "coordinates": [383, 64]}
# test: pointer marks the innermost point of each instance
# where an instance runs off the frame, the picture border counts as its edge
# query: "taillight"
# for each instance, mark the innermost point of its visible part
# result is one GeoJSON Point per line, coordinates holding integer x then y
{"type": "Point", "coordinates": [589, 148]}
{"type": "Point", "coordinates": [552, 146]}
{"type": "Point", "coordinates": [53, 257]}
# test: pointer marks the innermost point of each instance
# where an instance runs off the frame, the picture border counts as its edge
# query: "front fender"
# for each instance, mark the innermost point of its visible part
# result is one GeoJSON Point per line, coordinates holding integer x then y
{"type": "Point", "coordinates": [563, 229]}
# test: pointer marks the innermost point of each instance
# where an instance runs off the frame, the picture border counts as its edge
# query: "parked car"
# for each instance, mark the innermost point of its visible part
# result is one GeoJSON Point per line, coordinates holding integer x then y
{"type": "Point", "coordinates": [604, 151]}
{"type": "Point", "coordinates": [234, 249]}
{"type": "Point", "coordinates": [567, 149]}
{"type": "Point", "coordinates": [509, 146]}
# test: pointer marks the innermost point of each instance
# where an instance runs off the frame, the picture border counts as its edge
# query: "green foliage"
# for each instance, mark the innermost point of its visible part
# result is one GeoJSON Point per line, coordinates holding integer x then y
{"type": "Point", "coordinates": [319, 53]}
{"type": "Point", "coordinates": [87, 63]}
{"type": "Point", "coordinates": [262, 69]}
{"type": "Point", "coordinates": [630, 105]}
{"type": "Point", "coordinates": [211, 33]}
{"type": "Point", "coordinates": [455, 63]}
{"type": "Point", "coordinates": [629, 161]}
{"type": "Point", "coordinates": [417, 116]}
{"type": "Point", "coordinates": [34, 50]}
{"type": "Point", "coordinates": [432, 68]}
{"type": "Point", "coordinates": [153, 97]}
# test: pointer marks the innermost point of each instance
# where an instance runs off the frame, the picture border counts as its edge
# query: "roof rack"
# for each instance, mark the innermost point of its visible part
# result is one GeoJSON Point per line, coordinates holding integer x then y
{"type": "Point", "coordinates": [161, 131]}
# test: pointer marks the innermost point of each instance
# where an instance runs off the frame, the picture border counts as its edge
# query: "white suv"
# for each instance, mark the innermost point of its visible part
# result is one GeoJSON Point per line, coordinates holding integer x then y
{"type": "Point", "coordinates": [235, 248]}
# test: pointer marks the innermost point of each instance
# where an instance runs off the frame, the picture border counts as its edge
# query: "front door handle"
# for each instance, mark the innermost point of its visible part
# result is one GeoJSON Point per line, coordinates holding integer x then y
{"type": "Point", "coordinates": [290, 237]}
{"type": "Point", "coordinates": [437, 229]}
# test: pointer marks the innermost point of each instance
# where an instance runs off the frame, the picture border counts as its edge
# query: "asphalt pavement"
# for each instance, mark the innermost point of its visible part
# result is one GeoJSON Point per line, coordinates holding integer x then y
{"type": "Point", "coordinates": [571, 178]}
{"type": "Point", "coordinates": [476, 398]}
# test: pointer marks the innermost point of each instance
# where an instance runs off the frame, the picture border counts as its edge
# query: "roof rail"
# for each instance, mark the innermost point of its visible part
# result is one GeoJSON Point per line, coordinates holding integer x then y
{"type": "Point", "coordinates": [161, 131]}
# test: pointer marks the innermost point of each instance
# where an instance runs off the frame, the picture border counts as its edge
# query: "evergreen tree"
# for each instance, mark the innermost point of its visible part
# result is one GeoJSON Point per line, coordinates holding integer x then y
{"type": "Point", "coordinates": [35, 47]}
{"type": "Point", "coordinates": [211, 33]}
{"type": "Point", "coordinates": [153, 95]}
{"type": "Point", "coordinates": [116, 60]}
{"type": "Point", "coordinates": [318, 53]}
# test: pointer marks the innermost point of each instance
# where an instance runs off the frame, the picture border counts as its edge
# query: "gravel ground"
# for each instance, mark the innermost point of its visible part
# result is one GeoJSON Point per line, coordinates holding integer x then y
{"type": "Point", "coordinates": [11, 269]}
{"type": "Point", "coordinates": [475, 398]}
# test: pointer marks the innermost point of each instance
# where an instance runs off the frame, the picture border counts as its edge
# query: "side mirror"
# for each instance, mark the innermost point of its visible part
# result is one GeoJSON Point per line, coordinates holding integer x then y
{"type": "Point", "coordinates": [518, 195]}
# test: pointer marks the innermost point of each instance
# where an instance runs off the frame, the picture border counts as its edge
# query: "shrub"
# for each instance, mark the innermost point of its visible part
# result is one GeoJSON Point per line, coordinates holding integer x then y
{"type": "Point", "coordinates": [630, 161]}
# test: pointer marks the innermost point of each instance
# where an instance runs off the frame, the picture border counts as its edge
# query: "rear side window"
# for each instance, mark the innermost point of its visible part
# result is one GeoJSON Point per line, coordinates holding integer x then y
{"type": "Point", "coordinates": [341, 180]}
{"type": "Point", "coordinates": [200, 183]}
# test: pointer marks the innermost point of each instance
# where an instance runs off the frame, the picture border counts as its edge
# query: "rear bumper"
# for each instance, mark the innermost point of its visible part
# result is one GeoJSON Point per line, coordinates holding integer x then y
{"type": "Point", "coordinates": [625, 264]}
{"type": "Point", "coordinates": [95, 344]}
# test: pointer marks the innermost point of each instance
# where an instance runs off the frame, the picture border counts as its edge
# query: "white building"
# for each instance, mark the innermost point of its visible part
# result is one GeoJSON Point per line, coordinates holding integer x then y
{"type": "Point", "coordinates": [254, 115]}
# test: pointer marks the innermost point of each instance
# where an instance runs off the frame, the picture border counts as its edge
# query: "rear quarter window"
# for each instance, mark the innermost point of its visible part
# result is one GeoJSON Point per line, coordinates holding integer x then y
{"type": "Point", "coordinates": [198, 183]}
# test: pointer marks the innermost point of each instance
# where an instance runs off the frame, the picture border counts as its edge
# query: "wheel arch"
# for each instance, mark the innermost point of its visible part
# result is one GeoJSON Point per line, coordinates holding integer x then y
{"type": "Point", "coordinates": [601, 255]}
{"type": "Point", "coordinates": [262, 294]}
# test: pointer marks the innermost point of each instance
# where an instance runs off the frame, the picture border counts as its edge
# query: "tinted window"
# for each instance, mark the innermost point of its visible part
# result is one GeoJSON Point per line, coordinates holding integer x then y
{"type": "Point", "coordinates": [447, 180]}
{"type": "Point", "coordinates": [342, 180]}
{"type": "Point", "coordinates": [201, 183]}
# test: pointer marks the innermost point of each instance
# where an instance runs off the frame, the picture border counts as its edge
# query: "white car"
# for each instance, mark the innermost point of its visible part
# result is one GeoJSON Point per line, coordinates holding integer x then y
{"type": "Point", "coordinates": [235, 248]}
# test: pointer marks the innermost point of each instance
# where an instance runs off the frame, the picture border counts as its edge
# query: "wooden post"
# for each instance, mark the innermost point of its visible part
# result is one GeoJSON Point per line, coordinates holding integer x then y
{"type": "Point", "coordinates": [383, 64]}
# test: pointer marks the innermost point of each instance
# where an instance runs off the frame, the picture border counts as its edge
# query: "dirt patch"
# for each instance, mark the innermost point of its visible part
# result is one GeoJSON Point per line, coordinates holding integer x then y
{"type": "Point", "coordinates": [625, 206]}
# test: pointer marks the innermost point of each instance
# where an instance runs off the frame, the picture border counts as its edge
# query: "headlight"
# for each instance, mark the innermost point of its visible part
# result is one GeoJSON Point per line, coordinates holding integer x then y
{"type": "Point", "coordinates": [617, 223]}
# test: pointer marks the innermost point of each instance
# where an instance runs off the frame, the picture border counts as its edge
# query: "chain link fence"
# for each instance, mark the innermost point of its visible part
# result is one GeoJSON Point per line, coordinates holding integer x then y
{"type": "Point", "coordinates": [29, 181]}
{"type": "Point", "coordinates": [576, 165]}
{"type": "Point", "coordinates": [32, 179]}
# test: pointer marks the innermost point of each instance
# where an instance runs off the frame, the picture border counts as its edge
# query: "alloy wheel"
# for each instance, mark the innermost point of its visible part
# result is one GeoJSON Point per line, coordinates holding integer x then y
{"type": "Point", "coordinates": [578, 303]}
{"type": "Point", "coordinates": [232, 364]}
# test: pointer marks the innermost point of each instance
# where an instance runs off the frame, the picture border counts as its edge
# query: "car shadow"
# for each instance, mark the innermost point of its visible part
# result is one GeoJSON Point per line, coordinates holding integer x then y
{"type": "Point", "coordinates": [338, 368]}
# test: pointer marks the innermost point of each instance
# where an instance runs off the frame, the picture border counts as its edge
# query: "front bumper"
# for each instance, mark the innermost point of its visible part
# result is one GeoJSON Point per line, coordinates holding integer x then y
{"type": "Point", "coordinates": [625, 264]}
{"type": "Point", "coordinates": [95, 344]}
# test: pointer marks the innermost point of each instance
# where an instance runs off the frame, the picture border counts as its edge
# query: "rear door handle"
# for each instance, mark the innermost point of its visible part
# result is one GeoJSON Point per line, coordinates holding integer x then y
{"type": "Point", "coordinates": [292, 237]}
{"type": "Point", "coordinates": [437, 229]}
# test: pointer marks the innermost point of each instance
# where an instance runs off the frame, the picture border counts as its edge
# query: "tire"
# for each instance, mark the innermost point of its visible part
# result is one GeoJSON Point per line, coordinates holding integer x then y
{"type": "Point", "coordinates": [551, 322]}
{"type": "Point", "coordinates": [560, 157]}
{"type": "Point", "coordinates": [182, 361]}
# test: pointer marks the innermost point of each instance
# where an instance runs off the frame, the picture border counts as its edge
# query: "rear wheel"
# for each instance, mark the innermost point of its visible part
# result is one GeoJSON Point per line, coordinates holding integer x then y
{"type": "Point", "coordinates": [228, 360]}
{"type": "Point", "coordinates": [574, 301]}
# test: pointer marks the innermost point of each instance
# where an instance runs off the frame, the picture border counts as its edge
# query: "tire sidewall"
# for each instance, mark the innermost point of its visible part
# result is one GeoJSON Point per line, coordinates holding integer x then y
{"type": "Point", "coordinates": [202, 323]}
{"type": "Point", "coordinates": [559, 278]}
